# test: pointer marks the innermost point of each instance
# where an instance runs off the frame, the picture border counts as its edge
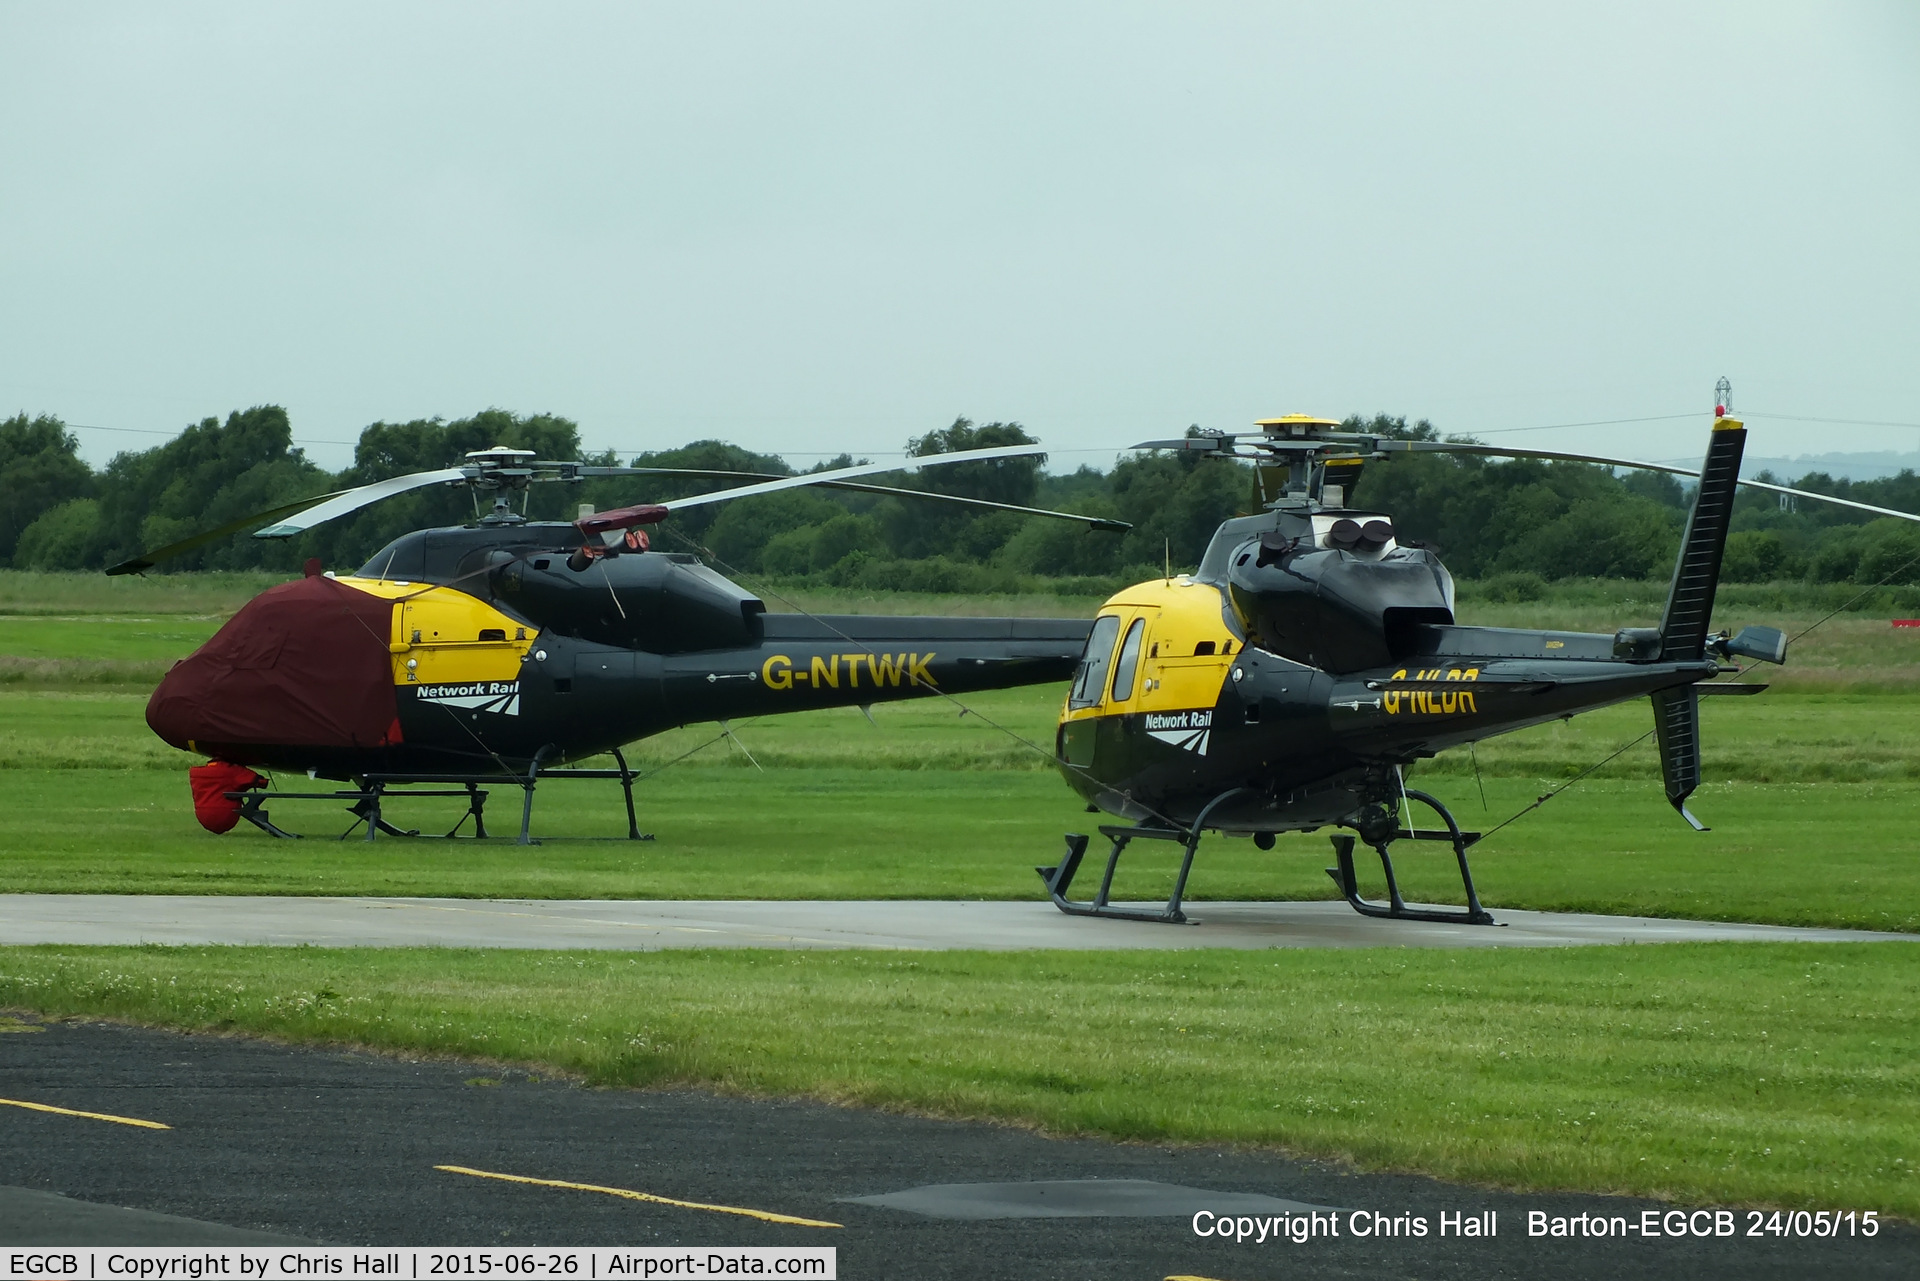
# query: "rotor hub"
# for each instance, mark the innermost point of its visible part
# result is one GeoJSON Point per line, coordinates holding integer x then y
{"type": "Point", "coordinates": [500, 468]}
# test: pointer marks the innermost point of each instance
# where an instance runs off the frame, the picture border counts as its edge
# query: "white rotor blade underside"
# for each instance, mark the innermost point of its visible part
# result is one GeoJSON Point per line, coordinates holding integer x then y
{"type": "Point", "coordinates": [1501, 451]}
{"type": "Point", "coordinates": [848, 473]}
{"type": "Point", "coordinates": [354, 499]}
{"type": "Point", "coordinates": [1097, 522]}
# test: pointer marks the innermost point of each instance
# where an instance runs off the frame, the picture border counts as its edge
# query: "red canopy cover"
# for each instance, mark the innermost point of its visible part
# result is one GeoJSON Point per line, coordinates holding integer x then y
{"type": "Point", "coordinates": [302, 664]}
{"type": "Point", "coordinates": [211, 783]}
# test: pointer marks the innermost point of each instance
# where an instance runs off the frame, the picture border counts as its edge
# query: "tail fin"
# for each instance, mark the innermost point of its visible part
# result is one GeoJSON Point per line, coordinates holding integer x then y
{"type": "Point", "coordinates": [1676, 726]}
{"type": "Point", "coordinates": [1683, 628]}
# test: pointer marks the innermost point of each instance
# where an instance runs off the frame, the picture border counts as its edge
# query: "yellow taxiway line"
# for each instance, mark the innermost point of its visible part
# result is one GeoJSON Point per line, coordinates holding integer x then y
{"type": "Point", "coordinates": [631, 1195]}
{"type": "Point", "coordinates": [91, 1116]}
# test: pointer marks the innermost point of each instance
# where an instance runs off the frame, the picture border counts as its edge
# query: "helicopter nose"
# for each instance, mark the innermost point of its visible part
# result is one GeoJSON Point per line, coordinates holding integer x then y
{"type": "Point", "coordinates": [304, 664]}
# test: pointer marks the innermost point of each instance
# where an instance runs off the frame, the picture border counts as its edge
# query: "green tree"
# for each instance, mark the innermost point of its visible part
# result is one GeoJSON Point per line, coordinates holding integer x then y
{"type": "Point", "coordinates": [1060, 549]}
{"type": "Point", "coordinates": [835, 545]}
{"type": "Point", "coordinates": [703, 455]}
{"type": "Point", "coordinates": [1607, 536]}
{"type": "Point", "coordinates": [742, 532]}
{"type": "Point", "coordinates": [918, 529]}
{"type": "Point", "coordinates": [1174, 503]}
{"type": "Point", "coordinates": [209, 474]}
{"type": "Point", "coordinates": [1000, 480]}
{"type": "Point", "coordinates": [1755, 556]}
{"type": "Point", "coordinates": [58, 540]}
{"type": "Point", "coordinates": [40, 469]}
{"type": "Point", "coordinates": [1555, 519]}
{"type": "Point", "coordinates": [1659, 486]}
{"type": "Point", "coordinates": [1890, 553]}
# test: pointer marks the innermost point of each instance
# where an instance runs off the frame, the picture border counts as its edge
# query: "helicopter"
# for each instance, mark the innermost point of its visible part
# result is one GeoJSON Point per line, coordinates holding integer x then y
{"type": "Point", "coordinates": [1312, 657]}
{"type": "Point", "coordinates": [502, 650]}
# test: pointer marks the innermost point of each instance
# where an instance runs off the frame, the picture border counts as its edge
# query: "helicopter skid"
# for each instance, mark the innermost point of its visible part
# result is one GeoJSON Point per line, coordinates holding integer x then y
{"type": "Point", "coordinates": [365, 808]}
{"type": "Point", "coordinates": [1396, 907]}
{"type": "Point", "coordinates": [1059, 878]}
{"type": "Point", "coordinates": [372, 790]}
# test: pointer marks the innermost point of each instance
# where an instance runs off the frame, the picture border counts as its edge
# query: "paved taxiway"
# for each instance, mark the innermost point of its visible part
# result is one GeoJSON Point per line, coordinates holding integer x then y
{"type": "Point", "coordinates": [342, 1148]}
{"type": "Point", "coordinates": [643, 925]}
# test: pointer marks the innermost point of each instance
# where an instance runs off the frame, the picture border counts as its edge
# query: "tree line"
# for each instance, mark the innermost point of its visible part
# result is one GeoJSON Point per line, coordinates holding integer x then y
{"type": "Point", "coordinates": [1518, 521]}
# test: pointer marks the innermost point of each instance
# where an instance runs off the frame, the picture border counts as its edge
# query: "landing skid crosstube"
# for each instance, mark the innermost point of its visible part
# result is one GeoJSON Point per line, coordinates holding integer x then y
{"type": "Point", "coordinates": [1059, 878]}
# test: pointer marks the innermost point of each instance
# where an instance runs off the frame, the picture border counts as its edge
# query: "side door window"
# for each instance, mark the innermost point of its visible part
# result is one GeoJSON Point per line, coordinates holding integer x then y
{"type": "Point", "coordinates": [1128, 665]}
{"type": "Point", "coordinates": [1090, 682]}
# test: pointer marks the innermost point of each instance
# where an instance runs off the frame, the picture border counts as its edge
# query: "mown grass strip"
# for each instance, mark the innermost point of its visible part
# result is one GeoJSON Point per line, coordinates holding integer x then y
{"type": "Point", "coordinates": [1730, 1073]}
{"type": "Point", "coordinates": [1821, 854]}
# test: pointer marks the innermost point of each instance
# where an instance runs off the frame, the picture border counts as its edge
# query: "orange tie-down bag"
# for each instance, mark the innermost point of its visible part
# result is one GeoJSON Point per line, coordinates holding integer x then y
{"type": "Point", "coordinates": [211, 783]}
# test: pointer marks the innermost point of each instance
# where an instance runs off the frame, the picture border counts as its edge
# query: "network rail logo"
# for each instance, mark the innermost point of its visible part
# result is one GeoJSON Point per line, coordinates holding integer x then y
{"type": "Point", "coordinates": [1188, 731]}
{"type": "Point", "coordinates": [499, 697]}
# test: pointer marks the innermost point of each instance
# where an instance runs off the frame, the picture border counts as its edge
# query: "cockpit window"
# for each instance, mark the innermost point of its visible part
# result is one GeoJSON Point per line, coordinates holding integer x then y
{"type": "Point", "coordinates": [403, 558]}
{"type": "Point", "coordinates": [1091, 679]}
{"type": "Point", "coordinates": [1129, 663]}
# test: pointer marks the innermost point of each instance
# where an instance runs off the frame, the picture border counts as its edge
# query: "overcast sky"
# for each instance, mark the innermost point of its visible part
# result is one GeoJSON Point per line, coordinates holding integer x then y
{"type": "Point", "coordinates": [823, 227]}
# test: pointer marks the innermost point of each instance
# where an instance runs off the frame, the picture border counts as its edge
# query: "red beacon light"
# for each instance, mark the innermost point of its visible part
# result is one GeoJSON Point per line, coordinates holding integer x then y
{"type": "Point", "coordinates": [621, 519]}
{"type": "Point", "coordinates": [608, 533]}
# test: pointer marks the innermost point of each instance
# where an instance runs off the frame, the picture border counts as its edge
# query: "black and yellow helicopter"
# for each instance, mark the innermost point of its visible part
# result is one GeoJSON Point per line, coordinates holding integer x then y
{"type": "Point", "coordinates": [1283, 686]}
{"type": "Point", "coordinates": [503, 649]}
{"type": "Point", "coordinates": [1287, 683]}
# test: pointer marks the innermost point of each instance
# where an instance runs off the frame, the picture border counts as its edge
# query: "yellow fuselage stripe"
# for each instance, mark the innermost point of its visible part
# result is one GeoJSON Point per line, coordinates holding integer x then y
{"type": "Point", "coordinates": [1171, 677]}
{"type": "Point", "coordinates": [435, 637]}
{"type": "Point", "coordinates": [631, 1195]}
{"type": "Point", "coordinates": [91, 1116]}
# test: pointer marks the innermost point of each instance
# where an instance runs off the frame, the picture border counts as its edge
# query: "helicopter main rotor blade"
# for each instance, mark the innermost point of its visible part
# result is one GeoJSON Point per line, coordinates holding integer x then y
{"type": "Point", "coordinates": [352, 500]}
{"type": "Point", "coordinates": [310, 512]}
{"type": "Point", "coordinates": [1502, 451]}
{"type": "Point", "coordinates": [848, 473]}
{"type": "Point", "coordinates": [1094, 522]}
{"type": "Point", "coordinates": [147, 560]}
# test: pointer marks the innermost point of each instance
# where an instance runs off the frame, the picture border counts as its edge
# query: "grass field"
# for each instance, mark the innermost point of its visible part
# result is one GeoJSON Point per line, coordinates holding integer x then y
{"type": "Point", "coordinates": [1770, 1074]}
